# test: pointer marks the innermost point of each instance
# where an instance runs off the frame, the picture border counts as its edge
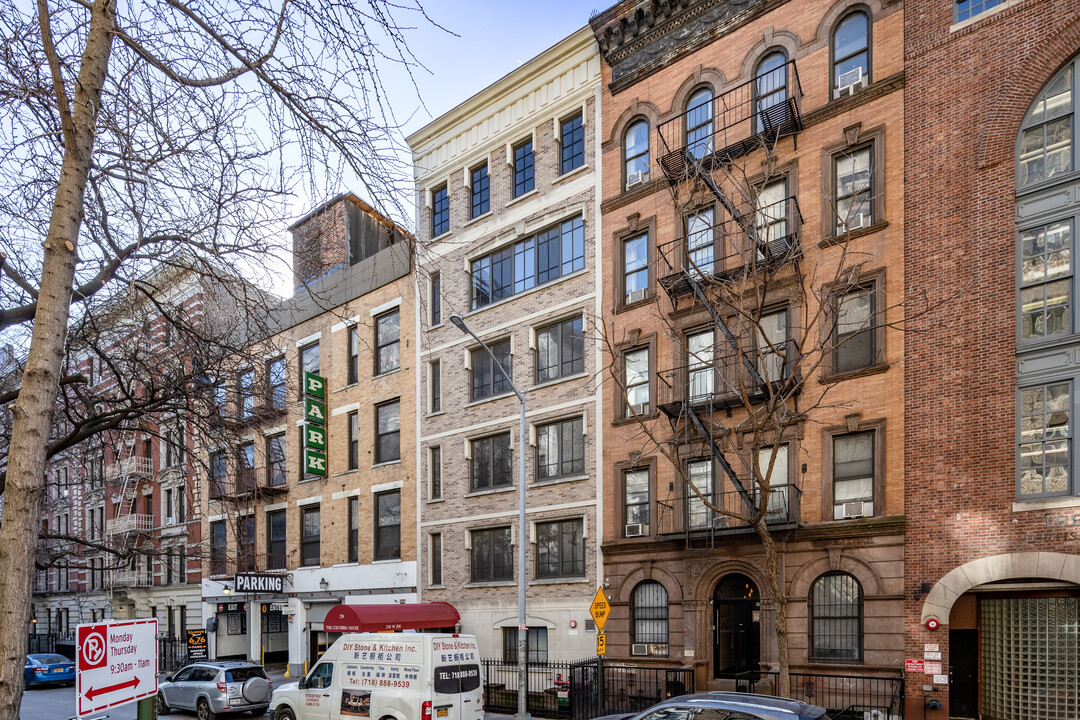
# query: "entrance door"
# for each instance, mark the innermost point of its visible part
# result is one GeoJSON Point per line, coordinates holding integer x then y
{"type": "Point", "coordinates": [736, 626]}
{"type": "Point", "coordinates": [963, 673]}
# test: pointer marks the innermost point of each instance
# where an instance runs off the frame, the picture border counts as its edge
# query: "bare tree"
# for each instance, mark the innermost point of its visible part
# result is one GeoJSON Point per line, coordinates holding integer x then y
{"type": "Point", "coordinates": [132, 132]}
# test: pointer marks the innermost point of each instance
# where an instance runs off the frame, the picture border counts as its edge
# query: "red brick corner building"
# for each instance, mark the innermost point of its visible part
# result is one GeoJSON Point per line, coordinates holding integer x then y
{"type": "Point", "coordinates": [992, 383]}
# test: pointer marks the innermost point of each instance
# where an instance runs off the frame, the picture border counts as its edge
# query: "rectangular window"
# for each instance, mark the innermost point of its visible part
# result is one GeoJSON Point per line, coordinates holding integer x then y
{"type": "Point", "coordinates": [560, 449]}
{"type": "Point", "coordinates": [700, 243]}
{"type": "Point", "coordinates": [276, 526]}
{"type": "Point", "coordinates": [635, 268]}
{"type": "Point", "coordinates": [174, 447]}
{"type": "Point", "coordinates": [777, 479]}
{"type": "Point", "coordinates": [436, 558]}
{"type": "Point", "coordinates": [492, 555]}
{"type": "Point", "coordinates": [246, 385]}
{"type": "Point", "coordinates": [571, 144]}
{"type": "Point", "coordinates": [853, 193]}
{"type": "Point", "coordinates": [245, 468]}
{"type": "Point", "coordinates": [387, 342]}
{"type": "Point", "coordinates": [245, 543]}
{"type": "Point", "coordinates": [701, 366]}
{"type": "Point", "coordinates": [388, 439]}
{"type": "Point", "coordinates": [1046, 281]}
{"type": "Point", "coordinates": [536, 645]}
{"type": "Point", "coordinates": [486, 379]}
{"type": "Point", "coordinates": [560, 350]}
{"type": "Point", "coordinates": [310, 529]}
{"type": "Point", "coordinates": [388, 525]}
{"type": "Point", "coordinates": [560, 549]}
{"type": "Point", "coordinates": [523, 168]}
{"type": "Point", "coordinates": [219, 398]}
{"type": "Point", "coordinates": [275, 461]}
{"type": "Point", "coordinates": [435, 298]}
{"type": "Point", "coordinates": [354, 529]}
{"type": "Point", "coordinates": [772, 336]}
{"type": "Point", "coordinates": [771, 218]}
{"type": "Point", "coordinates": [636, 501]}
{"type": "Point", "coordinates": [218, 470]}
{"type": "Point", "coordinates": [699, 473]}
{"type": "Point", "coordinates": [309, 362]}
{"type": "Point", "coordinates": [275, 383]}
{"type": "Point", "coordinates": [354, 440]}
{"type": "Point", "coordinates": [354, 354]}
{"type": "Point", "coordinates": [1045, 437]}
{"type": "Point", "coordinates": [435, 384]}
{"type": "Point", "coordinates": [440, 211]}
{"type": "Point", "coordinates": [435, 473]}
{"type": "Point", "coordinates": [855, 336]}
{"type": "Point", "coordinates": [479, 191]}
{"type": "Point", "coordinates": [218, 545]}
{"type": "Point", "coordinates": [636, 379]}
{"type": "Point", "coordinates": [853, 475]}
{"type": "Point", "coordinates": [970, 8]}
{"type": "Point", "coordinates": [541, 258]}
{"type": "Point", "coordinates": [490, 462]}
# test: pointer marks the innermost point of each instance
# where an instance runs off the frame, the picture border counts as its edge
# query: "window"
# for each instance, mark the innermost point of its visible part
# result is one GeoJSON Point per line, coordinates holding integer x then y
{"type": "Point", "coordinates": [636, 379]}
{"type": "Point", "coordinates": [245, 467]}
{"type": "Point", "coordinates": [699, 474]}
{"type": "Point", "coordinates": [1046, 281]}
{"type": "Point", "coordinates": [636, 152]}
{"type": "Point", "coordinates": [770, 90]}
{"type": "Point", "coordinates": [571, 144]}
{"type": "Point", "coordinates": [174, 447]}
{"type": "Point", "coordinates": [440, 211]}
{"type": "Point", "coordinates": [547, 256]}
{"type": "Point", "coordinates": [701, 242]}
{"type": "Point", "coordinates": [388, 432]}
{"type": "Point", "coordinates": [636, 499]}
{"type": "Point", "coordinates": [523, 168]}
{"type": "Point", "coordinates": [778, 481]}
{"type": "Point", "coordinates": [387, 342]}
{"type": "Point", "coordinates": [853, 192]}
{"type": "Point", "coordinates": [649, 616]}
{"type": "Point", "coordinates": [699, 123]}
{"type": "Point", "coordinates": [354, 440]}
{"type": "Point", "coordinates": [275, 383]}
{"type": "Point", "coordinates": [275, 540]}
{"type": "Point", "coordinates": [487, 380]}
{"type": "Point", "coordinates": [536, 645]}
{"type": "Point", "coordinates": [319, 678]}
{"type": "Point", "coordinates": [354, 529]}
{"type": "Point", "coordinates": [835, 607]}
{"type": "Point", "coordinates": [435, 473]}
{"type": "Point", "coordinates": [490, 462]}
{"type": "Point", "coordinates": [217, 548]}
{"type": "Point", "coordinates": [853, 475]}
{"type": "Point", "coordinates": [246, 400]}
{"type": "Point", "coordinates": [1045, 437]}
{"type": "Point", "coordinates": [854, 342]}
{"type": "Point", "coordinates": [635, 268]}
{"type": "Point", "coordinates": [701, 366]}
{"type": "Point", "coordinates": [560, 449]}
{"type": "Point", "coordinates": [167, 506]}
{"type": "Point", "coordinates": [245, 543]}
{"type": "Point", "coordinates": [309, 362]}
{"type": "Point", "coordinates": [219, 398]}
{"type": "Point", "coordinates": [970, 8]}
{"type": "Point", "coordinates": [309, 535]}
{"type": "Point", "coordinates": [305, 476]}
{"type": "Point", "coordinates": [479, 191]}
{"type": "Point", "coordinates": [560, 350]}
{"type": "Point", "coordinates": [218, 465]}
{"type": "Point", "coordinates": [771, 211]}
{"type": "Point", "coordinates": [275, 461]}
{"type": "Point", "coordinates": [851, 50]}
{"type": "Point", "coordinates": [560, 549]}
{"type": "Point", "coordinates": [772, 335]}
{"type": "Point", "coordinates": [435, 298]}
{"type": "Point", "coordinates": [436, 558]}
{"type": "Point", "coordinates": [1046, 145]}
{"type": "Point", "coordinates": [354, 354]}
{"type": "Point", "coordinates": [492, 557]}
{"type": "Point", "coordinates": [388, 525]}
{"type": "Point", "coordinates": [435, 386]}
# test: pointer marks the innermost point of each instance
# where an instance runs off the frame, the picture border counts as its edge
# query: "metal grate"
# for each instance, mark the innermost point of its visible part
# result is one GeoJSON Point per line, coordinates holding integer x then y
{"type": "Point", "coordinates": [836, 618]}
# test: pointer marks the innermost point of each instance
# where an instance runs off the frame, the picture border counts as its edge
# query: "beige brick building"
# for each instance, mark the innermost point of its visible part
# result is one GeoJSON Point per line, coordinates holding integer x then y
{"type": "Point", "coordinates": [508, 218]}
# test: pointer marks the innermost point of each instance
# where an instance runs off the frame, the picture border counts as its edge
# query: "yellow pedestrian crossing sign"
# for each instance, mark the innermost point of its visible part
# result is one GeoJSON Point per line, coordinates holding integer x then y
{"type": "Point", "coordinates": [600, 609]}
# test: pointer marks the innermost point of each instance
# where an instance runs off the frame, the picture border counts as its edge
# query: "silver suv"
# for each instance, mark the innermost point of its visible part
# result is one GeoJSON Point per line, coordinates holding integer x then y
{"type": "Point", "coordinates": [210, 688]}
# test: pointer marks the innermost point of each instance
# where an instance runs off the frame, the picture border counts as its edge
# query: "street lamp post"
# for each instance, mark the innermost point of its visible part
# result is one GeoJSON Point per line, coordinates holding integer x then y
{"type": "Point", "coordinates": [523, 670]}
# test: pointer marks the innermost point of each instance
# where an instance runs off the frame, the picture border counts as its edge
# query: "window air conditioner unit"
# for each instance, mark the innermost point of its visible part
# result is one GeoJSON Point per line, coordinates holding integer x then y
{"type": "Point", "coordinates": [875, 715]}
{"type": "Point", "coordinates": [635, 530]}
{"type": "Point", "coordinates": [640, 409]}
{"type": "Point", "coordinates": [851, 81]}
{"type": "Point", "coordinates": [633, 297]}
{"type": "Point", "coordinates": [639, 649]}
{"type": "Point", "coordinates": [858, 221]}
{"type": "Point", "coordinates": [636, 178]}
{"type": "Point", "coordinates": [855, 510]}
{"type": "Point", "coordinates": [720, 522]}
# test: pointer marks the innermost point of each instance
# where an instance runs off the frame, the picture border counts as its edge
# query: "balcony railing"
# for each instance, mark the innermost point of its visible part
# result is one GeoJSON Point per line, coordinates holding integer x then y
{"type": "Point", "coordinates": [240, 484]}
{"type": "Point", "coordinates": [733, 124]}
{"type": "Point", "coordinates": [130, 579]}
{"type": "Point", "coordinates": [687, 514]}
{"type": "Point", "coordinates": [133, 523]}
{"type": "Point", "coordinates": [725, 252]}
{"type": "Point", "coordinates": [130, 467]}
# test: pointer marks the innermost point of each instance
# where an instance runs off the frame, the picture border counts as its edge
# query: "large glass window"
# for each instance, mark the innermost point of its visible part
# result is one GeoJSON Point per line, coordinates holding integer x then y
{"type": "Point", "coordinates": [492, 555]}
{"type": "Point", "coordinates": [571, 144]}
{"type": "Point", "coordinates": [1046, 146]}
{"type": "Point", "coordinates": [547, 256]}
{"type": "Point", "coordinates": [851, 50]}
{"type": "Point", "coordinates": [635, 268]}
{"type": "Point", "coordinates": [480, 191]}
{"type": "Point", "coordinates": [490, 462]}
{"type": "Point", "coordinates": [440, 211]}
{"type": "Point", "coordinates": [387, 342]}
{"type": "Point", "coordinates": [1046, 280]}
{"type": "Point", "coordinates": [649, 615]}
{"type": "Point", "coordinates": [854, 190]}
{"type": "Point", "coordinates": [560, 549]}
{"type": "Point", "coordinates": [835, 608]}
{"type": "Point", "coordinates": [560, 449]}
{"type": "Point", "coordinates": [486, 379]}
{"type": "Point", "coordinates": [636, 152]}
{"type": "Point", "coordinates": [388, 439]}
{"type": "Point", "coordinates": [310, 533]}
{"type": "Point", "coordinates": [636, 379]}
{"type": "Point", "coordinates": [699, 123]}
{"type": "Point", "coordinates": [636, 500]}
{"type": "Point", "coordinates": [560, 350]}
{"type": "Point", "coordinates": [523, 168]}
{"type": "Point", "coordinates": [853, 474]}
{"type": "Point", "coordinates": [388, 525]}
{"type": "Point", "coordinates": [1045, 439]}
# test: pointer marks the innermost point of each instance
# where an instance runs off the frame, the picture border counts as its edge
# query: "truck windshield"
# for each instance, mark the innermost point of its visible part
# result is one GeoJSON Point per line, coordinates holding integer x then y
{"type": "Point", "coordinates": [454, 679]}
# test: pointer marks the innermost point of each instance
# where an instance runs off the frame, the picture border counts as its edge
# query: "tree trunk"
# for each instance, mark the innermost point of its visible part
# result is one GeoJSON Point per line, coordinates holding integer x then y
{"type": "Point", "coordinates": [776, 589]}
{"type": "Point", "coordinates": [32, 415]}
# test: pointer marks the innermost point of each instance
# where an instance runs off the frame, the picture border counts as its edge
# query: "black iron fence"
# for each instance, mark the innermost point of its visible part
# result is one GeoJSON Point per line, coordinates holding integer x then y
{"type": "Point", "coordinates": [547, 692]}
{"type": "Point", "coordinates": [172, 653]}
{"type": "Point", "coordinates": [619, 688]}
{"type": "Point", "coordinates": [847, 697]}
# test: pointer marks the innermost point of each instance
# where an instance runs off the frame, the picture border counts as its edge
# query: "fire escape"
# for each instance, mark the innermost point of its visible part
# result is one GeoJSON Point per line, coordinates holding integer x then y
{"type": "Point", "coordinates": [748, 237]}
{"type": "Point", "coordinates": [129, 529]}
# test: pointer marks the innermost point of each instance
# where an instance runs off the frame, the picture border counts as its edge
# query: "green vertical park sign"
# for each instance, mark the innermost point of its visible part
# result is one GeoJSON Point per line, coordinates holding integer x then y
{"type": "Point", "coordinates": [314, 424]}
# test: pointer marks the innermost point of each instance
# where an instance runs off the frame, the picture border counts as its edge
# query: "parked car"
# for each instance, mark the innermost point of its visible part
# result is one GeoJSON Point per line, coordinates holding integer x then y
{"type": "Point", "coordinates": [216, 687]}
{"type": "Point", "coordinates": [43, 668]}
{"type": "Point", "coordinates": [716, 705]}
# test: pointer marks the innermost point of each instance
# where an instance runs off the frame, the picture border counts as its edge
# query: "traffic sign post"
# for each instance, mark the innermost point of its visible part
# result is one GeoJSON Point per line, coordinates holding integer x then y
{"type": "Point", "coordinates": [115, 663]}
{"type": "Point", "coordinates": [600, 609]}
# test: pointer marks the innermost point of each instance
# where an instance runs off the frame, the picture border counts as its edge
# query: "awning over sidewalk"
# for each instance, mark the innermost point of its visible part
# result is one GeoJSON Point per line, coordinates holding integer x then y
{"type": "Point", "coordinates": [387, 618]}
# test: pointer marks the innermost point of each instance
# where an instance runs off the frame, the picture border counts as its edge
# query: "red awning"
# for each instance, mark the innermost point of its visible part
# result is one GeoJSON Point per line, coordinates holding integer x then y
{"type": "Point", "coordinates": [383, 618]}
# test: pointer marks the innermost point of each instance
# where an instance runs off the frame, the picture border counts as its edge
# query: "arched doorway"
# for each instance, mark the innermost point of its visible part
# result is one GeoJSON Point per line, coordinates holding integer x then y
{"type": "Point", "coordinates": [736, 625]}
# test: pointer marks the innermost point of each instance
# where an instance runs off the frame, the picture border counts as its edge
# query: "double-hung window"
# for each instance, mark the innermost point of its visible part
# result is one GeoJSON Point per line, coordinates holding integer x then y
{"type": "Point", "coordinates": [480, 191]}
{"type": "Point", "coordinates": [854, 345]}
{"type": "Point", "coordinates": [538, 259]}
{"type": "Point", "coordinates": [436, 558]}
{"type": "Point", "coordinates": [635, 268]}
{"type": "Point", "coordinates": [354, 355]}
{"type": "Point", "coordinates": [636, 501]}
{"type": "Point", "coordinates": [440, 211]}
{"type": "Point", "coordinates": [310, 534]}
{"type": "Point", "coordinates": [490, 462]}
{"type": "Point", "coordinates": [700, 242]}
{"type": "Point", "coordinates": [354, 529]}
{"type": "Point", "coordinates": [854, 190]}
{"type": "Point", "coordinates": [571, 144]}
{"type": "Point", "coordinates": [388, 525]}
{"type": "Point", "coordinates": [851, 51]}
{"type": "Point", "coordinates": [245, 470]}
{"type": "Point", "coordinates": [523, 168]}
{"type": "Point", "coordinates": [492, 555]}
{"type": "Point", "coordinates": [435, 473]}
{"type": "Point", "coordinates": [435, 298]}
{"type": "Point", "coordinates": [276, 527]}
{"type": "Point", "coordinates": [701, 366]}
{"type": "Point", "coordinates": [636, 381]}
{"type": "Point", "coordinates": [560, 549]}
{"type": "Point", "coordinates": [560, 350]}
{"type": "Point", "coordinates": [699, 123]}
{"type": "Point", "coordinates": [309, 362]}
{"type": "Point", "coordinates": [354, 440]}
{"type": "Point", "coordinates": [388, 432]}
{"type": "Point", "coordinates": [636, 153]}
{"type": "Point", "coordinates": [275, 383]}
{"type": "Point", "coordinates": [699, 474]}
{"type": "Point", "coordinates": [218, 548]}
{"type": "Point", "coordinates": [560, 449]}
{"type": "Point", "coordinates": [486, 380]}
{"type": "Point", "coordinates": [218, 465]}
{"type": "Point", "coordinates": [435, 386]}
{"type": "Point", "coordinates": [387, 342]}
{"type": "Point", "coordinates": [772, 335]}
{"type": "Point", "coordinates": [246, 386]}
{"type": "Point", "coordinates": [853, 457]}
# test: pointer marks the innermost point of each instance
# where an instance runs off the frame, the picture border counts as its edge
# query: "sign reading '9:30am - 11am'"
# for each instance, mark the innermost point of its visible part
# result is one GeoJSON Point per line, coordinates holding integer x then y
{"type": "Point", "coordinates": [314, 424]}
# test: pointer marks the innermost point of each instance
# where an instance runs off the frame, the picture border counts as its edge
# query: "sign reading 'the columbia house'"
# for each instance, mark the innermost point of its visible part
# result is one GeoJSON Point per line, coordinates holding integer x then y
{"type": "Point", "coordinates": [255, 582]}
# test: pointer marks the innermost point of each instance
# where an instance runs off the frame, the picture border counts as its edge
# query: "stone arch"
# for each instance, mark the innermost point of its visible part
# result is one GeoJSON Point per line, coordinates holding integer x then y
{"type": "Point", "coordinates": [706, 584]}
{"type": "Point", "coordinates": [650, 572]}
{"type": "Point", "coordinates": [530, 620]}
{"type": "Point", "coordinates": [828, 21]}
{"type": "Point", "coordinates": [637, 108]}
{"type": "Point", "coordinates": [1009, 566]}
{"type": "Point", "coordinates": [804, 577]}
{"type": "Point", "coordinates": [772, 40]}
{"type": "Point", "coordinates": [701, 76]}
{"type": "Point", "coordinates": [997, 137]}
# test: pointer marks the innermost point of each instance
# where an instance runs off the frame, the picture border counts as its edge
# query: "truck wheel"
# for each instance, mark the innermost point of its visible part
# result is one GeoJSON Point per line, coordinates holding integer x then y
{"type": "Point", "coordinates": [284, 713]}
{"type": "Point", "coordinates": [203, 711]}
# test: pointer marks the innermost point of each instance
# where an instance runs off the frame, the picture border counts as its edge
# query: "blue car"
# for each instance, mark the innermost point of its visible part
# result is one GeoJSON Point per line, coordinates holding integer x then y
{"type": "Point", "coordinates": [46, 668]}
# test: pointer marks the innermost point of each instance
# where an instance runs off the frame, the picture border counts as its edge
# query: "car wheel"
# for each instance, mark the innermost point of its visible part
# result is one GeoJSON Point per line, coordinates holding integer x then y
{"type": "Point", "coordinates": [284, 713]}
{"type": "Point", "coordinates": [162, 706]}
{"type": "Point", "coordinates": [202, 709]}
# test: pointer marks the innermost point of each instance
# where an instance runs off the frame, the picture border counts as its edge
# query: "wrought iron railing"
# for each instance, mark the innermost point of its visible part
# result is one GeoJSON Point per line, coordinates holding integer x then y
{"type": "Point", "coordinates": [547, 692]}
{"type": "Point", "coordinates": [687, 513]}
{"type": "Point", "coordinates": [623, 688]}
{"type": "Point", "coordinates": [846, 697]}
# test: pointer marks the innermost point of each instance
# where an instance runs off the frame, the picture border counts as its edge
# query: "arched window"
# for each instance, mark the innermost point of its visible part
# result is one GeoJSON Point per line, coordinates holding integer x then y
{"type": "Point", "coordinates": [836, 615]}
{"type": "Point", "coordinates": [649, 617]}
{"type": "Point", "coordinates": [699, 123]}
{"type": "Point", "coordinates": [851, 50]}
{"type": "Point", "coordinates": [1046, 136]}
{"type": "Point", "coordinates": [770, 90]}
{"type": "Point", "coordinates": [636, 151]}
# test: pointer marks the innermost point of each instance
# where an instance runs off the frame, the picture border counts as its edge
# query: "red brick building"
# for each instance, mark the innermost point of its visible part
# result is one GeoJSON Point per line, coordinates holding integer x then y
{"type": "Point", "coordinates": [993, 487]}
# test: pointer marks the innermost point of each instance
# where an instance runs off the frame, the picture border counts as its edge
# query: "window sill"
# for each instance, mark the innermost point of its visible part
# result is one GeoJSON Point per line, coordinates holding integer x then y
{"type": "Point", "coordinates": [556, 381]}
{"type": "Point", "coordinates": [443, 236]}
{"type": "Point", "coordinates": [573, 173]}
{"type": "Point", "coordinates": [558, 480]}
{"type": "Point", "coordinates": [345, 387]}
{"type": "Point", "coordinates": [437, 413]}
{"type": "Point", "coordinates": [436, 326]}
{"type": "Point", "coordinates": [305, 481]}
{"type": "Point", "coordinates": [493, 491]}
{"type": "Point", "coordinates": [490, 583]}
{"type": "Point", "coordinates": [842, 238]}
{"type": "Point", "coordinates": [386, 562]}
{"type": "Point", "coordinates": [434, 501]}
{"type": "Point", "coordinates": [346, 472]}
{"type": "Point", "coordinates": [384, 464]}
{"type": "Point", "coordinates": [378, 376]}
{"type": "Point", "coordinates": [575, 580]}
{"type": "Point", "coordinates": [1047, 504]}
{"type": "Point", "coordinates": [478, 218]}
{"type": "Point", "coordinates": [436, 587]}
{"type": "Point", "coordinates": [626, 307]}
{"type": "Point", "coordinates": [481, 401]}
{"type": "Point", "coordinates": [827, 378]}
{"type": "Point", "coordinates": [523, 197]}
{"type": "Point", "coordinates": [628, 420]}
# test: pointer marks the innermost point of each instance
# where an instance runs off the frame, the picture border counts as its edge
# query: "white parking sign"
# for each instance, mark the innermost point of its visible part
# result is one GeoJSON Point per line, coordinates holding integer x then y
{"type": "Point", "coordinates": [115, 663]}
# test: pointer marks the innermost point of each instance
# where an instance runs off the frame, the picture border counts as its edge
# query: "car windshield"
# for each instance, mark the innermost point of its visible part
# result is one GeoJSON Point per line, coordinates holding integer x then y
{"type": "Point", "coordinates": [242, 674]}
{"type": "Point", "coordinates": [50, 659]}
